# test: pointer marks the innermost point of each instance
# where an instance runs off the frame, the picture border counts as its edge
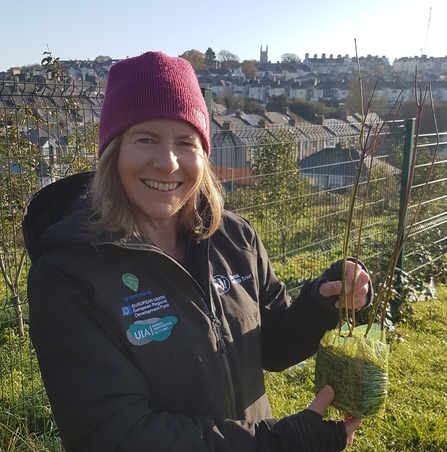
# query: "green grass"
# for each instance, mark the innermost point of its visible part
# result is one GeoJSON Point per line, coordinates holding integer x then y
{"type": "Point", "coordinates": [415, 418]}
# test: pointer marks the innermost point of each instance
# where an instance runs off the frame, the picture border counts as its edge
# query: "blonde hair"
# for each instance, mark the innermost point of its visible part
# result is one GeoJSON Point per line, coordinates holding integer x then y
{"type": "Point", "coordinates": [112, 212]}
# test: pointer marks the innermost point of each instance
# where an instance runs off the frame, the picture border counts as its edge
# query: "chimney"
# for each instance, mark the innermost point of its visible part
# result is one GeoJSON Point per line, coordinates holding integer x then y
{"type": "Point", "coordinates": [261, 123]}
{"type": "Point", "coordinates": [292, 122]}
{"type": "Point", "coordinates": [238, 114]}
{"type": "Point", "coordinates": [319, 119]}
{"type": "Point", "coordinates": [227, 125]}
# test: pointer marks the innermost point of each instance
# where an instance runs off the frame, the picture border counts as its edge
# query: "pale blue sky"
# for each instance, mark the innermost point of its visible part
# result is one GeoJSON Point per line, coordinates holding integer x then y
{"type": "Point", "coordinates": [87, 28]}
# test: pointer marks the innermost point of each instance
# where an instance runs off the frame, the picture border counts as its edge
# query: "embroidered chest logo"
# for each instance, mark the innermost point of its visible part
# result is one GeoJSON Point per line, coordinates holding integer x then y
{"type": "Point", "coordinates": [223, 284]}
{"type": "Point", "coordinates": [144, 331]}
{"type": "Point", "coordinates": [141, 303]}
{"type": "Point", "coordinates": [131, 281]}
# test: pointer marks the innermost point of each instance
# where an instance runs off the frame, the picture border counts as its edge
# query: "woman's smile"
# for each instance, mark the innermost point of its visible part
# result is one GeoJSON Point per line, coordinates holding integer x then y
{"type": "Point", "coordinates": [160, 186]}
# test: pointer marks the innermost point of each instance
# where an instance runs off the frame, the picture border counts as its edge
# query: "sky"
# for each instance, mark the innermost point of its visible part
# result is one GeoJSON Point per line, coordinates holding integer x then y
{"type": "Point", "coordinates": [86, 29]}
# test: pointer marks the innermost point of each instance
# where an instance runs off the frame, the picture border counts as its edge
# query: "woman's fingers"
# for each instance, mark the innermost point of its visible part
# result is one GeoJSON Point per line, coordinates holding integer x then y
{"type": "Point", "coordinates": [351, 424]}
{"type": "Point", "coordinates": [322, 400]}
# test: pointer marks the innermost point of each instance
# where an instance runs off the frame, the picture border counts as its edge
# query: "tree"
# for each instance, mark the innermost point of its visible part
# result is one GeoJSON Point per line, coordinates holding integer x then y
{"type": "Point", "coordinates": [353, 102]}
{"type": "Point", "coordinates": [23, 171]}
{"type": "Point", "coordinates": [290, 58]}
{"type": "Point", "coordinates": [18, 162]}
{"type": "Point", "coordinates": [230, 101]}
{"type": "Point", "coordinates": [102, 59]}
{"type": "Point", "coordinates": [228, 60]}
{"type": "Point", "coordinates": [306, 110]}
{"type": "Point", "coordinates": [195, 58]}
{"type": "Point", "coordinates": [279, 190]}
{"type": "Point", "coordinates": [249, 68]}
{"type": "Point", "coordinates": [210, 58]}
{"type": "Point", "coordinates": [381, 70]}
{"type": "Point", "coordinates": [252, 105]}
{"type": "Point", "coordinates": [277, 103]}
{"type": "Point", "coordinates": [409, 110]}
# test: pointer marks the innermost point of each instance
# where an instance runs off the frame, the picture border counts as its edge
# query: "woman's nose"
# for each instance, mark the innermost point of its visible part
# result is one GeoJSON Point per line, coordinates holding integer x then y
{"type": "Point", "coordinates": [166, 160]}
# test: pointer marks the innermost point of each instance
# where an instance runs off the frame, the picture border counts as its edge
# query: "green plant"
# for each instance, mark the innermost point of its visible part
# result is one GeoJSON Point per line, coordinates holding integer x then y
{"type": "Point", "coordinates": [19, 160]}
{"type": "Point", "coordinates": [26, 420]}
{"type": "Point", "coordinates": [415, 416]}
{"type": "Point", "coordinates": [354, 359]}
{"type": "Point", "coordinates": [52, 65]}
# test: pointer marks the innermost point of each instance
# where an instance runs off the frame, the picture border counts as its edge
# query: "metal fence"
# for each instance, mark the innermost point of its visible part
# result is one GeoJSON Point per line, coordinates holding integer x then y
{"type": "Point", "coordinates": [293, 181]}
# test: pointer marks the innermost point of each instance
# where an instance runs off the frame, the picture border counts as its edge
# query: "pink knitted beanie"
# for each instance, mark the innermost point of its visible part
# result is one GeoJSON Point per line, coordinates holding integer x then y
{"type": "Point", "coordinates": [152, 86]}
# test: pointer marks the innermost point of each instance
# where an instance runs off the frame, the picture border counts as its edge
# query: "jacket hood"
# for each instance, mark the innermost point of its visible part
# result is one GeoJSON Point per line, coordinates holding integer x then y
{"type": "Point", "coordinates": [55, 214]}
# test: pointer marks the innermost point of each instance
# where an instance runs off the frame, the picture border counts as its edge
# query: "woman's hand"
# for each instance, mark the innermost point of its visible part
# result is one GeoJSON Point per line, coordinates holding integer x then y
{"type": "Point", "coordinates": [323, 399]}
{"type": "Point", "coordinates": [357, 286]}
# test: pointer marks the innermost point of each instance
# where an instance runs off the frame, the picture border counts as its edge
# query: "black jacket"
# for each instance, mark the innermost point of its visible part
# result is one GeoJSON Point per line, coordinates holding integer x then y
{"type": "Point", "coordinates": [140, 353]}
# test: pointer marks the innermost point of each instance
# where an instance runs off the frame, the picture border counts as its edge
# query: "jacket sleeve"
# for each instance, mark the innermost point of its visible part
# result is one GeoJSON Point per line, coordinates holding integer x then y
{"type": "Point", "coordinates": [101, 400]}
{"type": "Point", "coordinates": [291, 331]}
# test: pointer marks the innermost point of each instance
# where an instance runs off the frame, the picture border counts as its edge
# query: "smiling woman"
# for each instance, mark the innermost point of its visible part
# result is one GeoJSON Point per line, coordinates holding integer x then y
{"type": "Point", "coordinates": [171, 309]}
{"type": "Point", "coordinates": [160, 166]}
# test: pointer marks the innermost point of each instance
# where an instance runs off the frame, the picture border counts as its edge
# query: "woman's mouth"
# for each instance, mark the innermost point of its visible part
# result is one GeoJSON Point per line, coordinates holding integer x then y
{"type": "Point", "coordinates": [161, 186]}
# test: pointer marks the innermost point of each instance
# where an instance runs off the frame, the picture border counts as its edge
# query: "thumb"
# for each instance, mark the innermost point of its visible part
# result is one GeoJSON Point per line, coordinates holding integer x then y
{"type": "Point", "coordinates": [323, 399]}
{"type": "Point", "coordinates": [329, 288]}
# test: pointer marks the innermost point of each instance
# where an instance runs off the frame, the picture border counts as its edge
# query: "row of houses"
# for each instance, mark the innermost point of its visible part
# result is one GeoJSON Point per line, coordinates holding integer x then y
{"type": "Point", "coordinates": [61, 120]}
{"type": "Point", "coordinates": [377, 65]}
{"type": "Point", "coordinates": [236, 137]}
{"type": "Point", "coordinates": [327, 79]}
{"type": "Point", "coordinates": [311, 88]}
{"type": "Point", "coordinates": [425, 65]}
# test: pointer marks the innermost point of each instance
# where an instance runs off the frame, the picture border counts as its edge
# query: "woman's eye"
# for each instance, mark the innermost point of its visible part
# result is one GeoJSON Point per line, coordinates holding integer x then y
{"type": "Point", "coordinates": [186, 143]}
{"type": "Point", "coordinates": [145, 140]}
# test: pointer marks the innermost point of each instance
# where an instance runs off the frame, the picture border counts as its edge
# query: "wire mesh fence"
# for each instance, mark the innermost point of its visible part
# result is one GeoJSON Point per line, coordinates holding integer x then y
{"type": "Point", "coordinates": [293, 181]}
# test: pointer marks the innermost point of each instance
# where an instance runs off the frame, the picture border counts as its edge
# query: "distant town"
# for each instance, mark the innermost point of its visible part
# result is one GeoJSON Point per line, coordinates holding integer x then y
{"type": "Point", "coordinates": [324, 78]}
{"type": "Point", "coordinates": [313, 101]}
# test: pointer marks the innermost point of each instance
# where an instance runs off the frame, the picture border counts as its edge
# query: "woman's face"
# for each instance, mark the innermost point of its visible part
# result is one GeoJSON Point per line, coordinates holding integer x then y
{"type": "Point", "coordinates": [160, 165]}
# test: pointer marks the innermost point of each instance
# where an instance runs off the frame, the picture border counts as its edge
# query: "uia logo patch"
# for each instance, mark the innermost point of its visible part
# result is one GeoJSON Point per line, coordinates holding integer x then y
{"type": "Point", "coordinates": [144, 331]}
{"type": "Point", "coordinates": [131, 281]}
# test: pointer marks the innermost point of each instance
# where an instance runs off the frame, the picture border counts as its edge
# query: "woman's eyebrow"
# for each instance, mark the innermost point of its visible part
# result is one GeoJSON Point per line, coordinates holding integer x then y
{"type": "Point", "coordinates": [188, 136]}
{"type": "Point", "coordinates": [143, 132]}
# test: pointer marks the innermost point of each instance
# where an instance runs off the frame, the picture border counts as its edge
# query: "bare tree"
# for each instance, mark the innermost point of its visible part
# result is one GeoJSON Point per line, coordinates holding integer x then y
{"type": "Point", "coordinates": [228, 60]}
{"type": "Point", "coordinates": [290, 58]}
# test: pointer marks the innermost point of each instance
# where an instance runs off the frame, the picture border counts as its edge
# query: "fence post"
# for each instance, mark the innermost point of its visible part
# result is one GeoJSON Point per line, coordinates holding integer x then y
{"type": "Point", "coordinates": [406, 163]}
{"type": "Point", "coordinates": [208, 96]}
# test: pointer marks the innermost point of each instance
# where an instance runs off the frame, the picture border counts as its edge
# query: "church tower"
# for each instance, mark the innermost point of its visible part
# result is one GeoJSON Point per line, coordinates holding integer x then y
{"type": "Point", "coordinates": [264, 55]}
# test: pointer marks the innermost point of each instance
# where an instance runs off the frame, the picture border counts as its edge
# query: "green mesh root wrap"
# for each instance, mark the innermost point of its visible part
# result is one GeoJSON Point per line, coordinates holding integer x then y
{"type": "Point", "coordinates": [356, 367]}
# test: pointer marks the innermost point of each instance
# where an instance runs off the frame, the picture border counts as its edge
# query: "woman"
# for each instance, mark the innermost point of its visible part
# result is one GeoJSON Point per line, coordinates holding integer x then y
{"type": "Point", "coordinates": [153, 311]}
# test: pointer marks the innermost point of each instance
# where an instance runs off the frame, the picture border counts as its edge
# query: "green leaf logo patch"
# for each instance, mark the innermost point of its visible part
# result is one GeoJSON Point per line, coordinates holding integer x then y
{"type": "Point", "coordinates": [144, 331]}
{"type": "Point", "coordinates": [131, 281]}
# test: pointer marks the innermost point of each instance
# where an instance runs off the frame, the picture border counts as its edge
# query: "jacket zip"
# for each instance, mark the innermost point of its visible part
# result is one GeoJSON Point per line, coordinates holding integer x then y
{"type": "Point", "coordinates": [216, 324]}
{"type": "Point", "coordinates": [217, 328]}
